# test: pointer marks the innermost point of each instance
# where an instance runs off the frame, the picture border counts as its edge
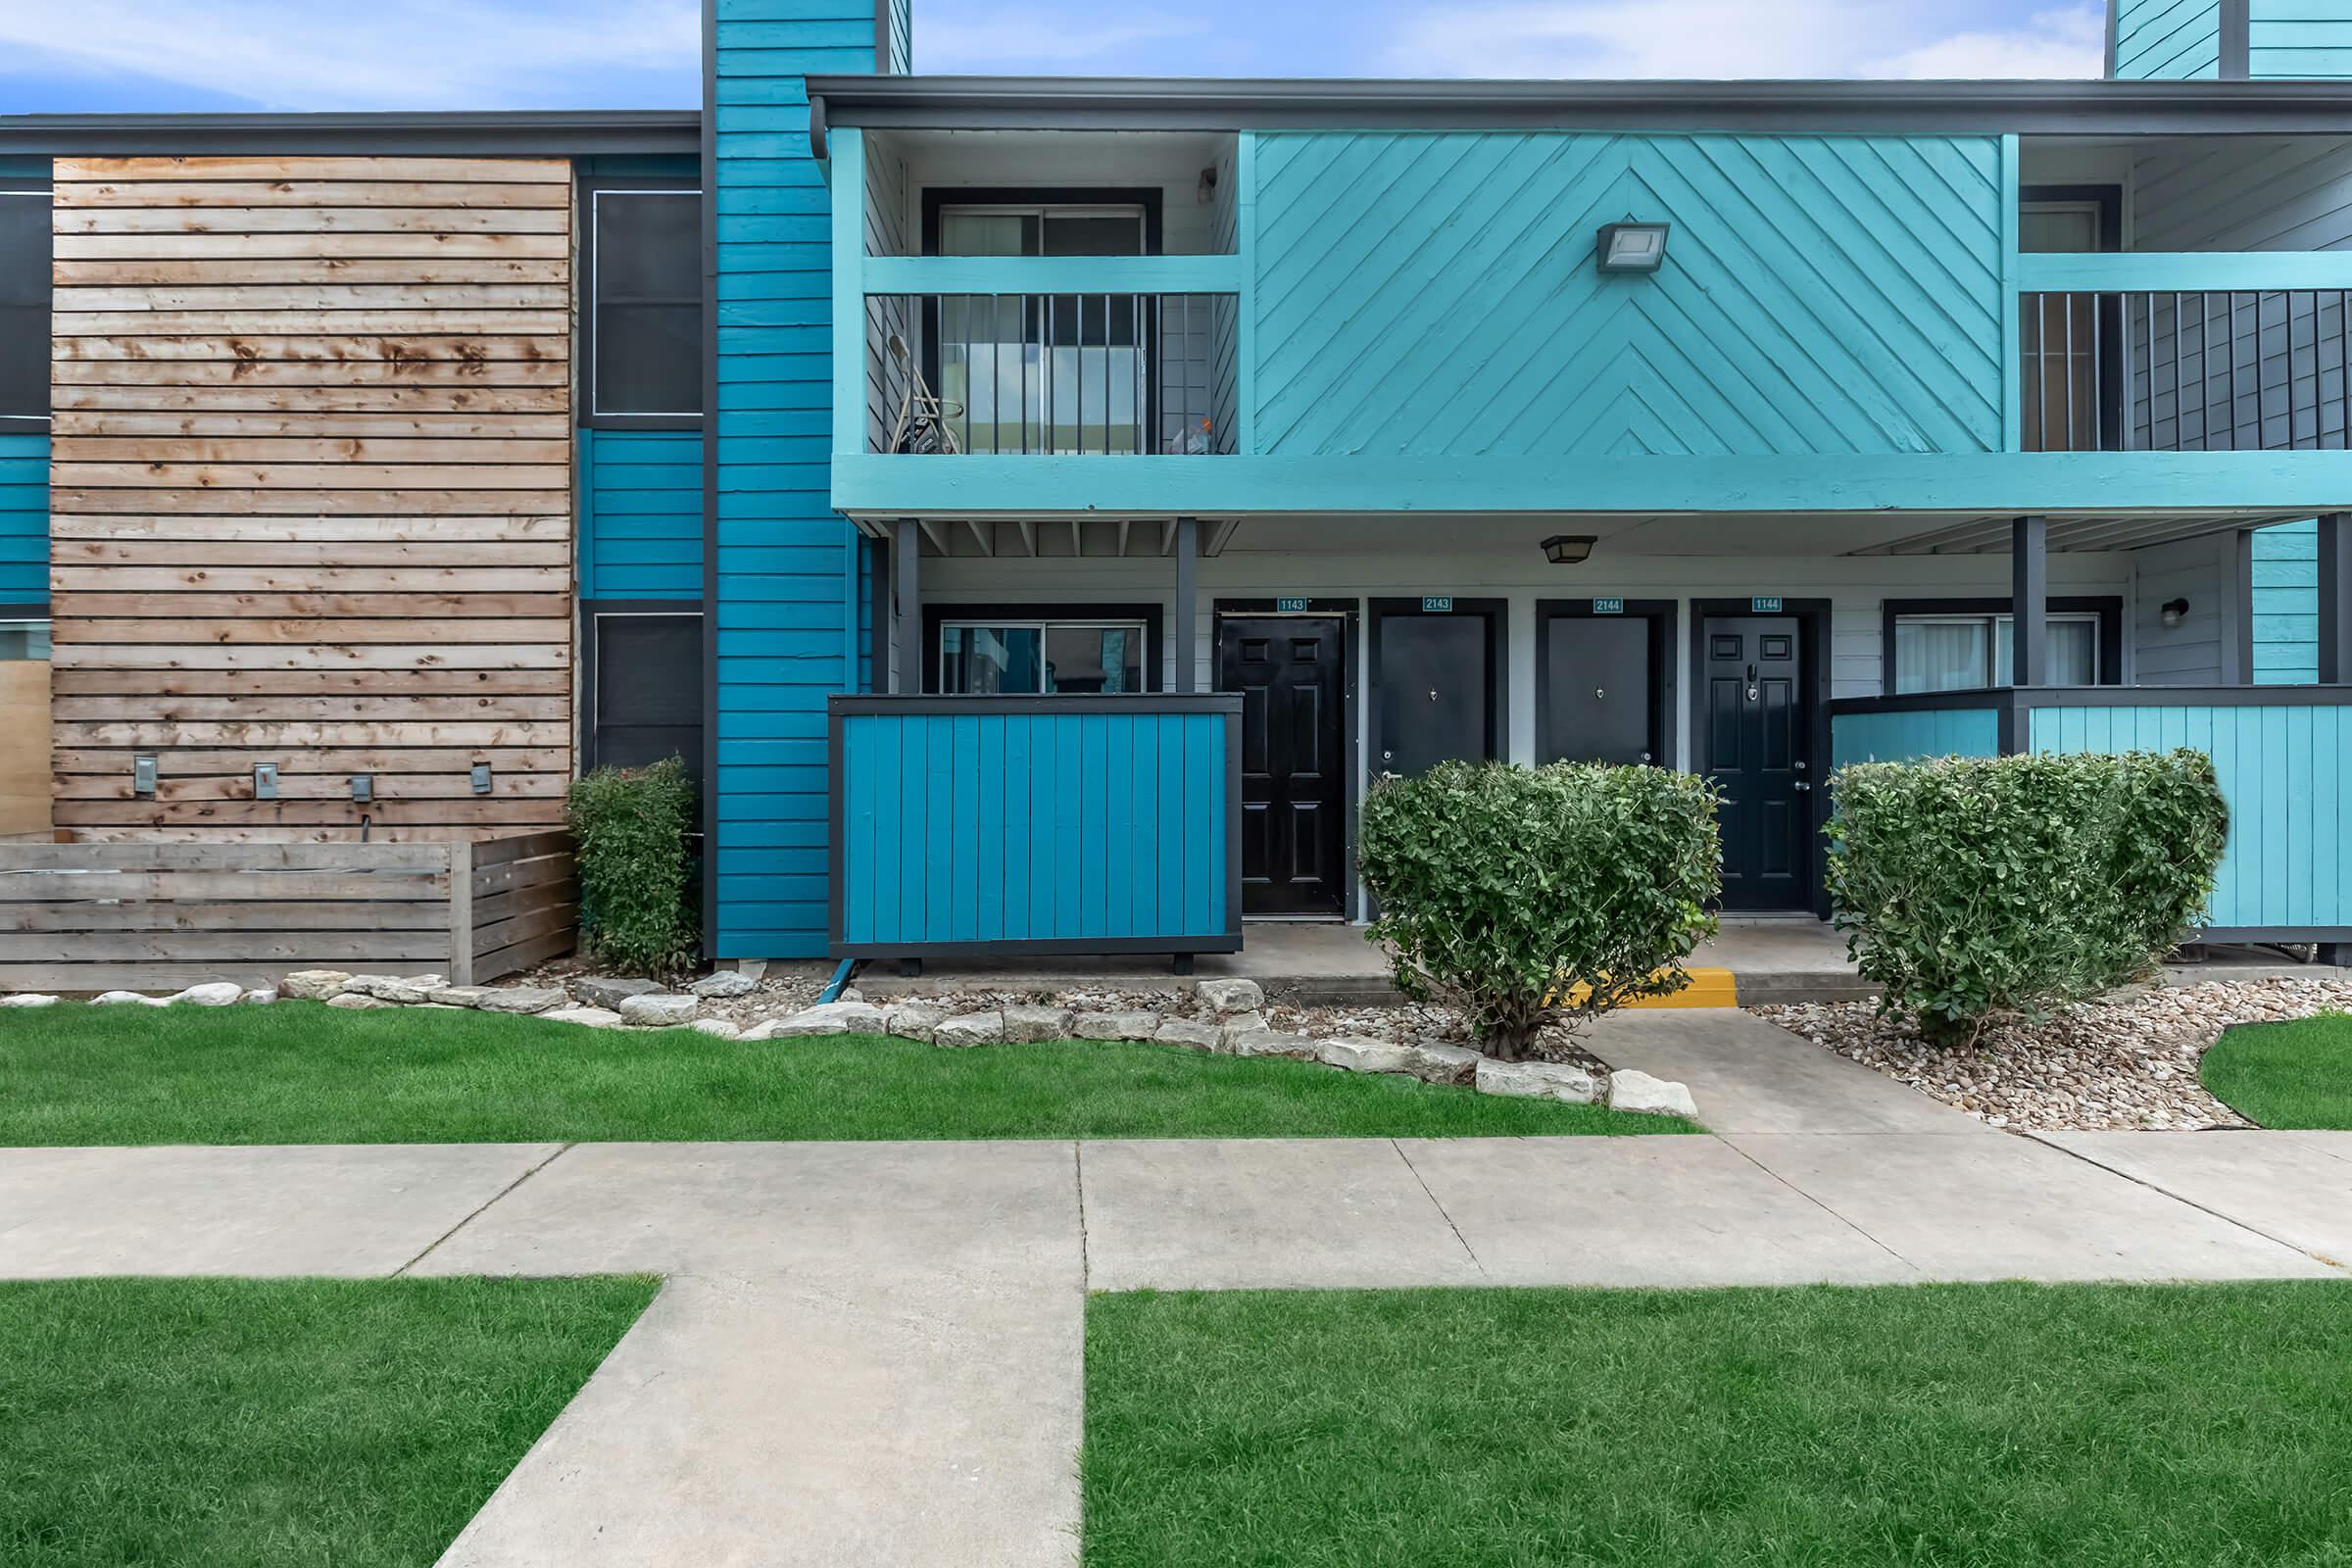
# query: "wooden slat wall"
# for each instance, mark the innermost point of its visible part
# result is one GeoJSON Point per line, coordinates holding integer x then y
{"type": "Point", "coordinates": [312, 493]}
{"type": "Point", "coordinates": [24, 760]}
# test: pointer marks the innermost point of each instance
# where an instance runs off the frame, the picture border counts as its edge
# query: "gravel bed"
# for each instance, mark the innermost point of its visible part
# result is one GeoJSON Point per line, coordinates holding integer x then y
{"type": "Point", "coordinates": [2124, 1063]}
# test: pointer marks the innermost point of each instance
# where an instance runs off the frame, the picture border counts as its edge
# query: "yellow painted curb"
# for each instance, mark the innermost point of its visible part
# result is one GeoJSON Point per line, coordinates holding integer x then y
{"type": "Point", "coordinates": [1708, 987]}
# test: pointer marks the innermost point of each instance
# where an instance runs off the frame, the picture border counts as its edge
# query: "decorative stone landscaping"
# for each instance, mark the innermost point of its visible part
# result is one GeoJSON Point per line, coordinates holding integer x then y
{"type": "Point", "coordinates": [1229, 1018]}
{"type": "Point", "coordinates": [2126, 1063]}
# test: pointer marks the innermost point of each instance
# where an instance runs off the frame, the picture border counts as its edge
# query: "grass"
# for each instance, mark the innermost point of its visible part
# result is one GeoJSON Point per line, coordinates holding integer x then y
{"type": "Point", "coordinates": [2285, 1074]}
{"type": "Point", "coordinates": [248, 1424]}
{"type": "Point", "coordinates": [1982, 1425]}
{"type": "Point", "coordinates": [305, 1073]}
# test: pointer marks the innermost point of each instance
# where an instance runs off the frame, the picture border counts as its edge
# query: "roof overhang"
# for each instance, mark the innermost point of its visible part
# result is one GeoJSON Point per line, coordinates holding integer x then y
{"type": "Point", "coordinates": [507, 133]}
{"type": "Point", "coordinates": [2027, 108]}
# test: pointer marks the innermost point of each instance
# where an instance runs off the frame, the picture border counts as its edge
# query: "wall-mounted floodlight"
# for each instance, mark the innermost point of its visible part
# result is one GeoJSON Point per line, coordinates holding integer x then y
{"type": "Point", "coordinates": [1568, 549]}
{"type": "Point", "coordinates": [2172, 612]}
{"type": "Point", "coordinates": [1631, 247]}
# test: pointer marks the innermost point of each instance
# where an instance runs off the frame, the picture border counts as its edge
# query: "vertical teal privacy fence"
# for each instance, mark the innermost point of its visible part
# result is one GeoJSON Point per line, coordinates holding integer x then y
{"type": "Point", "coordinates": [2281, 754]}
{"type": "Point", "coordinates": [979, 825]}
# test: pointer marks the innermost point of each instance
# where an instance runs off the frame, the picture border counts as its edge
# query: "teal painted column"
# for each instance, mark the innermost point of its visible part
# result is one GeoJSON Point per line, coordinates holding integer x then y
{"type": "Point", "coordinates": [781, 567]}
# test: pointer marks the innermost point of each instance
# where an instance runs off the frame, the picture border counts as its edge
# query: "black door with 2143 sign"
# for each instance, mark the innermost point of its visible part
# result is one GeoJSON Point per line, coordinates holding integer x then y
{"type": "Point", "coordinates": [1291, 671]}
{"type": "Point", "coordinates": [1754, 724]}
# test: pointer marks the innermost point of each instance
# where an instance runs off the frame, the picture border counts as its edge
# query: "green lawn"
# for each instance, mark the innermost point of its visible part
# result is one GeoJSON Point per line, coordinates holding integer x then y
{"type": "Point", "coordinates": [2286, 1074]}
{"type": "Point", "coordinates": [2099, 1427]}
{"type": "Point", "coordinates": [304, 1073]}
{"type": "Point", "coordinates": [250, 1424]}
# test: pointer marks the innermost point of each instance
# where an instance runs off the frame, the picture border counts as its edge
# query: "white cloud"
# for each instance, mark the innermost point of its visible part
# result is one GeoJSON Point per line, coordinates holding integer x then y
{"type": "Point", "coordinates": [1025, 40]}
{"type": "Point", "coordinates": [1736, 40]}
{"type": "Point", "coordinates": [406, 53]}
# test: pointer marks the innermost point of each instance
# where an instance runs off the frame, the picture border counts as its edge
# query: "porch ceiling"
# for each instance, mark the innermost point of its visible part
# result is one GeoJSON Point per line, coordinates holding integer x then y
{"type": "Point", "coordinates": [2072, 532]}
{"type": "Point", "coordinates": [1057, 538]}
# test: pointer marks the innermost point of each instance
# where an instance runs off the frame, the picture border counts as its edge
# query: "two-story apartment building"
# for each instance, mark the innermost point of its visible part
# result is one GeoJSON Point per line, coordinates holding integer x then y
{"type": "Point", "coordinates": [1288, 434]}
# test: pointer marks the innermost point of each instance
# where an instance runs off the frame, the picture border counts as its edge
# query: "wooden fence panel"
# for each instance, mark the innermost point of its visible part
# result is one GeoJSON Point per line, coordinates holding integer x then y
{"type": "Point", "coordinates": [313, 492]}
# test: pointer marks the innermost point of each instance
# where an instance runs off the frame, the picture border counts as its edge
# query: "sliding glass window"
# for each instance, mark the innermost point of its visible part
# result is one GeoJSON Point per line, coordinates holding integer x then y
{"type": "Point", "coordinates": [1041, 657]}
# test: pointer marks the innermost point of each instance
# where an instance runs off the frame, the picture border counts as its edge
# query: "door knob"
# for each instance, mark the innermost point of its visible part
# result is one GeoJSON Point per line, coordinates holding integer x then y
{"type": "Point", "coordinates": [1433, 695]}
{"type": "Point", "coordinates": [1802, 786]}
{"type": "Point", "coordinates": [1598, 694]}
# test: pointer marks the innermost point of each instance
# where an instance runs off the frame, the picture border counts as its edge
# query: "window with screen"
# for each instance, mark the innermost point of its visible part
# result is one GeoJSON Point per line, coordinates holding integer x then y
{"type": "Point", "coordinates": [1041, 657]}
{"type": "Point", "coordinates": [25, 248]}
{"type": "Point", "coordinates": [648, 699]}
{"type": "Point", "coordinates": [646, 305]}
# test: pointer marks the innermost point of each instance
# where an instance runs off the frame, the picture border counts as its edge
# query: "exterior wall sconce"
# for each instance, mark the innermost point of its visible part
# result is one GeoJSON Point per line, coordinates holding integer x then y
{"type": "Point", "coordinates": [1568, 549]}
{"type": "Point", "coordinates": [2172, 612]}
{"type": "Point", "coordinates": [1631, 247]}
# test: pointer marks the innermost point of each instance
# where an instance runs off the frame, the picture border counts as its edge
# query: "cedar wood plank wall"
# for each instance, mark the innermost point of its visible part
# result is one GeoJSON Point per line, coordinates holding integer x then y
{"type": "Point", "coordinates": [312, 494]}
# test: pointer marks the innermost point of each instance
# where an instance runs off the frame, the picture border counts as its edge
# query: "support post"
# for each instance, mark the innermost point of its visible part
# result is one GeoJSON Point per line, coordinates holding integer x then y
{"type": "Point", "coordinates": [906, 560]}
{"type": "Point", "coordinates": [2030, 601]}
{"type": "Point", "coordinates": [1188, 595]}
{"type": "Point", "coordinates": [461, 912]}
{"type": "Point", "coordinates": [2335, 597]}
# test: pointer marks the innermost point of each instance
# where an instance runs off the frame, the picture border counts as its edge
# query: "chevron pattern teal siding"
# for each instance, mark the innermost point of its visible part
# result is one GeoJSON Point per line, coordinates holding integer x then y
{"type": "Point", "coordinates": [787, 564]}
{"type": "Point", "coordinates": [24, 519]}
{"type": "Point", "coordinates": [1436, 294]}
{"type": "Point", "coordinates": [641, 515]}
{"type": "Point", "coordinates": [2167, 40]}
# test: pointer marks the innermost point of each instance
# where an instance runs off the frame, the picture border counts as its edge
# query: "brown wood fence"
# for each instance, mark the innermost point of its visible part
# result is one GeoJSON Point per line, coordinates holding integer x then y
{"type": "Point", "coordinates": [312, 494]}
{"type": "Point", "coordinates": [160, 915]}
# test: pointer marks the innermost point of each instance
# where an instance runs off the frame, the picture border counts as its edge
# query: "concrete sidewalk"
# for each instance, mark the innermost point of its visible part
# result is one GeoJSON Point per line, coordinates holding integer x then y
{"type": "Point", "coordinates": [873, 1354]}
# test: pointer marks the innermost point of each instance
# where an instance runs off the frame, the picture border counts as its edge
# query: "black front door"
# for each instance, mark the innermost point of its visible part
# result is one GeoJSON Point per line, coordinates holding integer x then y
{"type": "Point", "coordinates": [1435, 675]}
{"type": "Point", "coordinates": [1755, 721]}
{"type": "Point", "coordinates": [1599, 692]}
{"type": "Point", "coordinates": [1292, 673]}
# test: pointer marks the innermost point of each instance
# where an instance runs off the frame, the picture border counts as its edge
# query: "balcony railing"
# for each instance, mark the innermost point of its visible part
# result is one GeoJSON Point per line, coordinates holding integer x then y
{"type": "Point", "coordinates": [2255, 363]}
{"type": "Point", "coordinates": [1098, 356]}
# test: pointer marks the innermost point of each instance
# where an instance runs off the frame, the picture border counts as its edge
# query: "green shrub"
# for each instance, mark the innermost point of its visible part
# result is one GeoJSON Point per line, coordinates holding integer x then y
{"type": "Point", "coordinates": [636, 868]}
{"type": "Point", "coordinates": [1975, 886]}
{"type": "Point", "coordinates": [1533, 897]}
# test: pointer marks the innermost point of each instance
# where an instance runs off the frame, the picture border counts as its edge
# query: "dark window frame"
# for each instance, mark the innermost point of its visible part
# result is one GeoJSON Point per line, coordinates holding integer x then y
{"type": "Point", "coordinates": [2108, 308]}
{"type": "Point", "coordinates": [591, 187]}
{"type": "Point", "coordinates": [2109, 607]}
{"type": "Point", "coordinates": [13, 424]}
{"type": "Point", "coordinates": [592, 650]}
{"type": "Point", "coordinates": [936, 616]}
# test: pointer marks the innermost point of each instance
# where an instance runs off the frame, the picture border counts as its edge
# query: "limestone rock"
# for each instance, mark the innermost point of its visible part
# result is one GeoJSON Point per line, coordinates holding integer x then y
{"type": "Point", "coordinates": [214, 994]}
{"type": "Point", "coordinates": [825, 1018]}
{"type": "Point", "coordinates": [1638, 1090]}
{"type": "Point", "coordinates": [312, 985]}
{"type": "Point", "coordinates": [606, 992]}
{"type": "Point", "coordinates": [1225, 998]}
{"type": "Point", "coordinates": [262, 997]}
{"type": "Point", "coordinates": [912, 1021]}
{"type": "Point", "coordinates": [724, 984]}
{"type": "Point", "coordinates": [1268, 1043]}
{"type": "Point", "coordinates": [460, 996]}
{"type": "Point", "coordinates": [1359, 1054]}
{"type": "Point", "coordinates": [125, 998]}
{"type": "Point", "coordinates": [1031, 1025]}
{"type": "Point", "coordinates": [850, 994]}
{"type": "Point", "coordinates": [358, 1002]}
{"type": "Point", "coordinates": [1240, 1023]}
{"type": "Point", "coordinates": [520, 999]}
{"type": "Point", "coordinates": [407, 991]}
{"type": "Point", "coordinates": [660, 1010]}
{"type": "Point", "coordinates": [1114, 1025]}
{"type": "Point", "coordinates": [972, 1029]}
{"type": "Point", "coordinates": [716, 1028]}
{"type": "Point", "coordinates": [1437, 1062]}
{"type": "Point", "coordinates": [587, 1017]}
{"type": "Point", "coordinates": [27, 998]}
{"type": "Point", "coordinates": [1185, 1032]}
{"type": "Point", "coordinates": [1537, 1080]}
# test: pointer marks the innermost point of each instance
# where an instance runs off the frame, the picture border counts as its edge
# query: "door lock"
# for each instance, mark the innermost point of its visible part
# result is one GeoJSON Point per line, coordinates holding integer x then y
{"type": "Point", "coordinates": [1433, 695]}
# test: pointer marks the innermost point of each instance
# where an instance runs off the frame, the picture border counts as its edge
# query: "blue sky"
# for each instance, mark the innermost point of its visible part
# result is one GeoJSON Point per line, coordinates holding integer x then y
{"type": "Point", "coordinates": [65, 56]}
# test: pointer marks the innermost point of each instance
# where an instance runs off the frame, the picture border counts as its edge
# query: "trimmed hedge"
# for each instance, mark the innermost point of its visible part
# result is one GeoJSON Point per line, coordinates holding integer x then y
{"type": "Point", "coordinates": [637, 905]}
{"type": "Point", "coordinates": [1545, 895]}
{"type": "Point", "coordinates": [1975, 886]}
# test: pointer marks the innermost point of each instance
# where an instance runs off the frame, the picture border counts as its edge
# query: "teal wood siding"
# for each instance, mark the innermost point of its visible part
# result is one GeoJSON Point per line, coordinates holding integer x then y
{"type": "Point", "coordinates": [2302, 39]}
{"type": "Point", "coordinates": [24, 519]}
{"type": "Point", "coordinates": [2287, 605]}
{"type": "Point", "coordinates": [2285, 771]}
{"type": "Point", "coordinates": [2167, 40]}
{"type": "Point", "coordinates": [1821, 295]}
{"type": "Point", "coordinates": [1061, 827]}
{"type": "Point", "coordinates": [786, 563]}
{"type": "Point", "coordinates": [641, 515]}
{"type": "Point", "coordinates": [1909, 737]}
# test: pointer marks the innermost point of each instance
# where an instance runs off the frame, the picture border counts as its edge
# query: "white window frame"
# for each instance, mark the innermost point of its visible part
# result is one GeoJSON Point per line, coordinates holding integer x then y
{"type": "Point", "coordinates": [1041, 625]}
{"type": "Point", "coordinates": [42, 623]}
{"type": "Point", "coordinates": [1998, 624]}
{"type": "Point", "coordinates": [595, 268]}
